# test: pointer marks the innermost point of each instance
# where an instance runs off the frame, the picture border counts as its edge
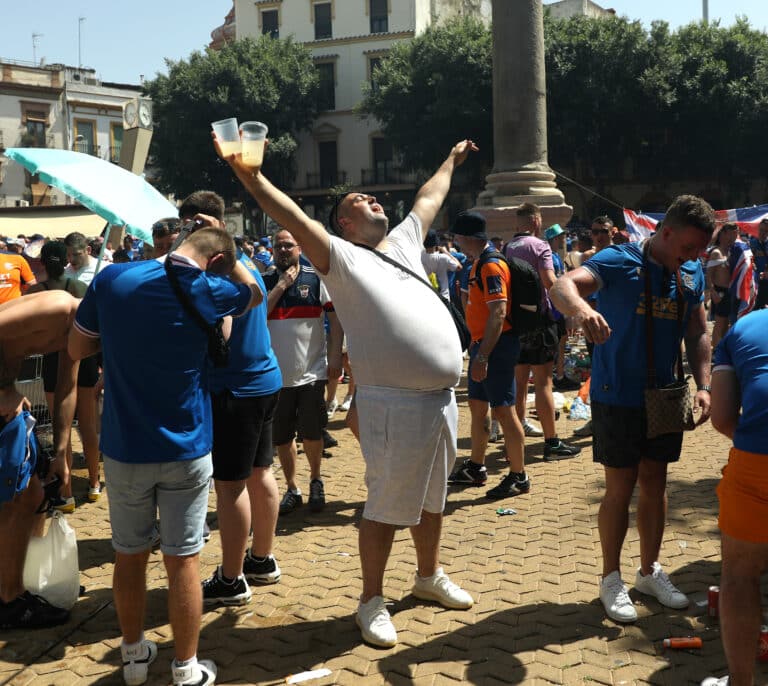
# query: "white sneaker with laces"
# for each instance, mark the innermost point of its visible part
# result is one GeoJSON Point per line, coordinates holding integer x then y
{"type": "Point", "coordinates": [440, 588]}
{"type": "Point", "coordinates": [346, 403]}
{"type": "Point", "coordinates": [531, 429]}
{"type": "Point", "coordinates": [615, 598]}
{"type": "Point", "coordinates": [493, 437]}
{"type": "Point", "coordinates": [136, 662]}
{"type": "Point", "coordinates": [375, 623]}
{"type": "Point", "coordinates": [714, 681]}
{"type": "Point", "coordinates": [202, 673]}
{"type": "Point", "coordinates": [658, 585]}
{"type": "Point", "coordinates": [332, 408]}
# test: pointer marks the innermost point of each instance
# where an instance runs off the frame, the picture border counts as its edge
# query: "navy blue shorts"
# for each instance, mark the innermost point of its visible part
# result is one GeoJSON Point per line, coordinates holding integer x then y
{"type": "Point", "coordinates": [619, 438]}
{"type": "Point", "coordinates": [498, 387]}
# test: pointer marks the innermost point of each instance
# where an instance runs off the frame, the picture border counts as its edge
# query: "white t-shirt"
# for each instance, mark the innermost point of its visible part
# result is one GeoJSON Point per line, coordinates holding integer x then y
{"type": "Point", "coordinates": [399, 335]}
{"type": "Point", "coordinates": [86, 273]}
{"type": "Point", "coordinates": [439, 264]}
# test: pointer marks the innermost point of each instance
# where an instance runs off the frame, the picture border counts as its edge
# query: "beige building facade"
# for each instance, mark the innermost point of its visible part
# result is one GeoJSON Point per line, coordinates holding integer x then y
{"type": "Point", "coordinates": [55, 106]}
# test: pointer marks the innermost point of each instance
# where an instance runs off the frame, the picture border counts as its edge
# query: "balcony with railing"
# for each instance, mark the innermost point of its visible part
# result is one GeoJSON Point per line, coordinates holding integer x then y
{"type": "Point", "coordinates": [87, 147]}
{"type": "Point", "coordinates": [386, 175]}
{"type": "Point", "coordinates": [326, 179]}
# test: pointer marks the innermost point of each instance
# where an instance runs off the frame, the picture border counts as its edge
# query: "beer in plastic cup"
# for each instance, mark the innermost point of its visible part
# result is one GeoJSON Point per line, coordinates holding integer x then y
{"type": "Point", "coordinates": [253, 135]}
{"type": "Point", "coordinates": [228, 136]}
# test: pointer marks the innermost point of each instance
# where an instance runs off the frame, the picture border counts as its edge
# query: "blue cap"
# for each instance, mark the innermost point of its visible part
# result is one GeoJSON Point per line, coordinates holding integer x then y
{"type": "Point", "coordinates": [553, 232]}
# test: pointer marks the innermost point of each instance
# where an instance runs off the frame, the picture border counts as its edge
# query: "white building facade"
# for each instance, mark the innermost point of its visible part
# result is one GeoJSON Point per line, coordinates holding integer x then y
{"type": "Point", "coordinates": [347, 39]}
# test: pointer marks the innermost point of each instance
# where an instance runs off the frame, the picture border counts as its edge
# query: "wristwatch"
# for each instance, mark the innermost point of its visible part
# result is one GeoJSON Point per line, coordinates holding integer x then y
{"type": "Point", "coordinates": [704, 387]}
{"type": "Point", "coordinates": [482, 359]}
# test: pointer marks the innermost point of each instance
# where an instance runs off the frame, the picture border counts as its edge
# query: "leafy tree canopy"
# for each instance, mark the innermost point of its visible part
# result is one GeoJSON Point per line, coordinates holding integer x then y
{"type": "Point", "coordinates": [684, 104]}
{"type": "Point", "coordinates": [270, 80]}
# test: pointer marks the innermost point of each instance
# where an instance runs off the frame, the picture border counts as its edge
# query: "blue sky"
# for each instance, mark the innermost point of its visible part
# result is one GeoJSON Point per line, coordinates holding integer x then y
{"type": "Point", "coordinates": [125, 40]}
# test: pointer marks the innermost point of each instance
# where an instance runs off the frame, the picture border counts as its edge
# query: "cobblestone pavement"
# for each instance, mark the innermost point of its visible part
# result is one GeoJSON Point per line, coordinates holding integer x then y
{"type": "Point", "coordinates": [537, 618]}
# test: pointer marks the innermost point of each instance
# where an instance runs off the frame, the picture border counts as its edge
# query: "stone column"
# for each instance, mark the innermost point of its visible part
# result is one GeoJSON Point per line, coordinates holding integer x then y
{"type": "Point", "coordinates": [520, 171]}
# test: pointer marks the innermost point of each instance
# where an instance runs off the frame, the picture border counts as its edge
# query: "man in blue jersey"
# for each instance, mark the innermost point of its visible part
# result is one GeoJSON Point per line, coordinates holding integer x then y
{"type": "Point", "coordinates": [243, 399]}
{"type": "Point", "coordinates": [740, 412]}
{"type": "Point", "coordinates": [618, 328]}
{"type": "Point", "coordinates": [157, 429]}
{"type": "Point", "coordinates": [759, 246]}
{"type": "Point", "coordinates": [297, 303]}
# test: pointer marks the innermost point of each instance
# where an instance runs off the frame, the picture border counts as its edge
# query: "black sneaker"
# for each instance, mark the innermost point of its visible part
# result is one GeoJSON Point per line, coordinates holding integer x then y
{"type": "Point", "coordinates": [217, 591]}
{"type": "Point", "coordinates": [565, 384]}
{"type": "Point", "coordinates": [510, 485]}
{"type": "Point", "coordinates": [291, 500]}
{"type": "Point", "coordinates": [316, 495]}
{"type": "Point", "coordinates": [264, 571]}
{"type": "Point", "coordinates": [328, 440]}
{"type": "Point", "coordinates": [469, 473]}
{"type": "Point", "coordinates": [561, 451]}
{"type": "Point", "coordinates": [30, 611]}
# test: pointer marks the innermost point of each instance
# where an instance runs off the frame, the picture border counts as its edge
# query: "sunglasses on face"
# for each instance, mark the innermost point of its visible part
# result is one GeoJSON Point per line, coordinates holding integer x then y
{"type": "Point", "coordinates": [596, 232]}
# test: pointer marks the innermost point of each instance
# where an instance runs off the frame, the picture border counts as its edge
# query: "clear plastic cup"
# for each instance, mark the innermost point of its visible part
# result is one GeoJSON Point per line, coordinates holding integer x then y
{"type": "Point", "coordinates": [253, 134]}
{"type": "Point", "coordinates": [228, 136]}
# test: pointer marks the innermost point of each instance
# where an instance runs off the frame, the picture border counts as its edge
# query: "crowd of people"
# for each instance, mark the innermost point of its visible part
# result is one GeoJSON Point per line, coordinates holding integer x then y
{"type": "Point", "coordinates": [241, 343]}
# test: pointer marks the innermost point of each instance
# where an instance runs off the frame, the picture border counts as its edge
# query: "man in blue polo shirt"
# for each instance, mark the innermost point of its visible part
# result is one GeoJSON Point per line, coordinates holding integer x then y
{"type": "Point", "coordinates": [618, 328]}
{"type": "Point", "coordinates": [156, 428]}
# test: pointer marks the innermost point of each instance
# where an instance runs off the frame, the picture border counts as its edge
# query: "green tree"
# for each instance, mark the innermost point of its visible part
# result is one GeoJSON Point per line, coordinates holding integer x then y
{"type": "Point", "coordinates": [272, 80]}
{"type": "Point", "coordinates": [433, 91]}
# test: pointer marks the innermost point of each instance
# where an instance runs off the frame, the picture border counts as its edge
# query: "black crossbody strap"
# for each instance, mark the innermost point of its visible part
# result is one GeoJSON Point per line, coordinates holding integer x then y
{"type": "Point", "coordinates": [401, 267]}
{"type": "Point", "coordinates": [185, 300]}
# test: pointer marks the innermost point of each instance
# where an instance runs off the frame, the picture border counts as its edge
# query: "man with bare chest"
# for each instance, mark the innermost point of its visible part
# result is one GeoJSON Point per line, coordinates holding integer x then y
{"type": "Point", "coordinates": [35, 324]}
{"type": "Point", "coordinates": [719, 279]}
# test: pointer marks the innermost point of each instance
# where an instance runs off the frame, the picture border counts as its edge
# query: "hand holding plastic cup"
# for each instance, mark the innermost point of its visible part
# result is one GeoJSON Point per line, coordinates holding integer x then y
{"type": "Point", "coordinates": [253, 135]}
{"type": "Point", "coordinates": [228, 136]}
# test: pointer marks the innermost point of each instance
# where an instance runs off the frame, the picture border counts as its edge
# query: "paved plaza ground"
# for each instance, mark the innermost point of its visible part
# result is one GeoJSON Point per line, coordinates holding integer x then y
{"type": "Point", "coordinates": [537, 618]}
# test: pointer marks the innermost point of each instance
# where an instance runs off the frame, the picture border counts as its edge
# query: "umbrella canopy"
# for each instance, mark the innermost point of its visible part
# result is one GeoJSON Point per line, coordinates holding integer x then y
{"type": "Point", "coordinates": [115, 194]}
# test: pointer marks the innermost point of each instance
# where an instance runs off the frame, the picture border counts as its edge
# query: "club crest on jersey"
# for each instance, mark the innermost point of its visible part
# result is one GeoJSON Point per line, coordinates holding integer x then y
{"type": "Point", "coordinates": [687, 281]}
{"type": "Point", "coordinates": [304, 291]}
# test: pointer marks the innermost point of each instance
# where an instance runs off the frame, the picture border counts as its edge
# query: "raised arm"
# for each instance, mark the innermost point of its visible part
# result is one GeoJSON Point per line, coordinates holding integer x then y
{"type": "Point", "coordinates": [431, 195]}
{"type": "Point", "coordinates": [310, 234]}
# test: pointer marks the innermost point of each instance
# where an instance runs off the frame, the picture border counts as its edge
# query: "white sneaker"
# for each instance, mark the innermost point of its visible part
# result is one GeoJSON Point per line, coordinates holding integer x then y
{"type": "Point", "coordinates": [714, 681]}
{"type": "Point", "coordinates": [531, 429]}
{"type": "Point", "coordinates": [615, 598]}
{"type": "Point", "coordinates": [660, 587]}
{"type": "Point", "coordinates": [375, 623]}
{"type": "Point", "coordinates": [202, 673]}
{"type": "Point", "coordinates": [495, 434]}
{"type": "Point", "coordinates": [136, 663]}
{"type": "Point", "coordinates": [332, 408]}
{"type": "Point", "coordinates": [440, 588]}
{"type": "Point", "coordinates": [346, 403]}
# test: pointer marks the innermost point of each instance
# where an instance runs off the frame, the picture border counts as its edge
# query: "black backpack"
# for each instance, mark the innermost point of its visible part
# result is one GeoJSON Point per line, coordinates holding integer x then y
{"type": "Point", "coordinates": [524, 312]}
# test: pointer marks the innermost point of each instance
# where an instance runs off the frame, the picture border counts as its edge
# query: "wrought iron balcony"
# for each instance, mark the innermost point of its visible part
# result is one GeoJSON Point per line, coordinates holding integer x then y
{"type": "Point", "coordinates": [87, 147]}
{"type": "Point", "coordinates": [327, 179]}
{"type": "Point", "coordinates": [384, 175]}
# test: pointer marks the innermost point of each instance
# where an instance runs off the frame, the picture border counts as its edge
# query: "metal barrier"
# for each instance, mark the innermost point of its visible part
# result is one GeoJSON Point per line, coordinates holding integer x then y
{"type": "Point", "coordinates": [30, 385]}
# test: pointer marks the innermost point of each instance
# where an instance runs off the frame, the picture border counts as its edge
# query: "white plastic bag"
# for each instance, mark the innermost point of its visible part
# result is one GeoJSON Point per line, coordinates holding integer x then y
{"type": "Point", "coordinates": [51, 569]}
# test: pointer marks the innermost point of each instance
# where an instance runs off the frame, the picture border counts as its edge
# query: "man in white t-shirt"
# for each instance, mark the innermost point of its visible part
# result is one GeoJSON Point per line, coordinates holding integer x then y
{"type": "Point", "coordinates": [438, 261]}
{"type": "Point", "coordinates": [82, 265]}
{"type": "Point", "coordinates": [407, 358]}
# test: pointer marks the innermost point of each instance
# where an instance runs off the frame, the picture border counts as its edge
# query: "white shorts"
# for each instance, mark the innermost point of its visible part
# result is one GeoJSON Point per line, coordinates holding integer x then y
{"type": "Point", "coordinates": [408, 440]}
